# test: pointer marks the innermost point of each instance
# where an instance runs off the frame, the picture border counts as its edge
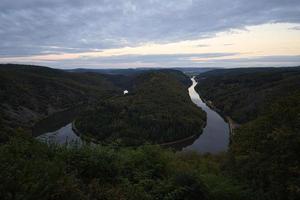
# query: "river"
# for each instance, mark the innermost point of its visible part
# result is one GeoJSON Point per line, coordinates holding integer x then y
{"type": "Point", "coordinates": [58, 127]}
{"type": "Point", "coordinates": [214, 138]}
{"type": "Point", "coordinates": [215, 135]}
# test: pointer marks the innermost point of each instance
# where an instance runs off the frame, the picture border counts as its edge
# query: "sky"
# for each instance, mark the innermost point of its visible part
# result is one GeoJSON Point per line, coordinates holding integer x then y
{"type": "Point", "coordinates": [150, 33]}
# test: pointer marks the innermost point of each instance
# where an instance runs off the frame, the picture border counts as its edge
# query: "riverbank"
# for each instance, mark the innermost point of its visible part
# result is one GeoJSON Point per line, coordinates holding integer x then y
{"type": "Point", "coordinates": [183, 140]}
{"type": "Point", "coordinates": [166, 144]}
{"type": "Point", "coordinates": [83, 137]}
{"type": "Point", "coordinates": [56, 120]}
{"type": "Point", "coordinates": [232, 124]}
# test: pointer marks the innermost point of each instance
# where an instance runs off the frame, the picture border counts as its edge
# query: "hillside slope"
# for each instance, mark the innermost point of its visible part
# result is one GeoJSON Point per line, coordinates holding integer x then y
{"type": "Point", "coordinates": [244, 94]}
{"type": "Point", "coordinates": [33, 170]}
{"type": "Point", "coordinates": [30, 93]}
{"type": "Point", "coordinates": [265, 151]}
{"type": "Point", "coordinates": [158, 109]}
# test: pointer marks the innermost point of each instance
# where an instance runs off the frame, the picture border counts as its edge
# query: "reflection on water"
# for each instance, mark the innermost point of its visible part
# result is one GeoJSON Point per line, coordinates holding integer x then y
{"type": "Point", "coordinates": [58, 127]}
{"type": "Point", "coordinates": [64, 135]}
{"type": "Point", "coordinates": [56, 121]}
{"type": "Point", "coordinates": [215, 136]}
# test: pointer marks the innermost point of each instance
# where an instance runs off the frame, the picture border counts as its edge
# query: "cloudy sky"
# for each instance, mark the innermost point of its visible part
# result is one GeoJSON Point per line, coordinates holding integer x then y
{"type": "Point", "coordinates": [150, 33]}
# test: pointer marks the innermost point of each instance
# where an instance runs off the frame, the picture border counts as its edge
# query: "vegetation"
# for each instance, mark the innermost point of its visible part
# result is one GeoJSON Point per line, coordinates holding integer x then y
{"type": "Point", "coordinates": [30, 93]}
{"type": "Point", "coordinates": [264, 151]}
{"type": "Point", "coordinates": [262, 163]}
{"type": "Point", "coordinates": [32, 170]}
{"type": "Point", "coordinates": [244, 94]}
{"type": "Point", "coordinates": [156, 110]}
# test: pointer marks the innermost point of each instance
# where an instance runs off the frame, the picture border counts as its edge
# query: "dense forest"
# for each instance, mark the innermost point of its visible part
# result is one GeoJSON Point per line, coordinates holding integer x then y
{"type": "Point", "coordinates": [30, 93]}
{"type": "Point", "coordinates": [30, 170]}
{"type": "Point", "coordinates": [157, 109]}
{"type": "Point", "coordinates": [157, 97]}
{"type": "Point", "coordinates": [265, 149]}
{"type": "Point", "coordinates": [244, 94]}
{"type": "Point", "coordinates": [262, 162]}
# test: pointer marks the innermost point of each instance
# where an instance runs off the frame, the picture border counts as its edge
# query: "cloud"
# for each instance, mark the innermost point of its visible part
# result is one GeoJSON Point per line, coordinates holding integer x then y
{"type": "Point", "coordinates": [278, 58]}
{"type": "Point", "coordinates": [132, 58]}
{"type": "Point", "coordinates": [297, 28]}
{"type": "Point", "coordinates": [34, 27]}
{"type": "Point", "coordinates": [261, 61]}
{"type": "Point", "coordinates": [202, 45]}
{"type": "Point", "coordinates": [172, 60]}
{"type": "Point", "coordinates": [158, 58]}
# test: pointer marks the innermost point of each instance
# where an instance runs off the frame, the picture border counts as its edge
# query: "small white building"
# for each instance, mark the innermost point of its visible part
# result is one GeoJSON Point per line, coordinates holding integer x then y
{"type": "Point", "coordinates": [125, 92]}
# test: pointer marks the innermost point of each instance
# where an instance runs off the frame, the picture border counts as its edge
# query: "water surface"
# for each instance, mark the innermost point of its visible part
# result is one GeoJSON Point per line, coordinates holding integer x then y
{"type": "Point", "coordinates": [64, 135]}
{"type": "Point", "coordinates": [215, 136]}
{"type": "Point", "coordinates": [57, 128]}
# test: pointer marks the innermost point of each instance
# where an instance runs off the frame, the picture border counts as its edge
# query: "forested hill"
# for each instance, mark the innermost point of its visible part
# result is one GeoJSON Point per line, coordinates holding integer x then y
{"type": "Point", "coordinates": [244, 94]}
{"type": "Point", "coordinates": [30, 93]}
{"type": "Point", "coordinates": [157, 109]}
{"type": "Point", "coordinates": [264, 151]}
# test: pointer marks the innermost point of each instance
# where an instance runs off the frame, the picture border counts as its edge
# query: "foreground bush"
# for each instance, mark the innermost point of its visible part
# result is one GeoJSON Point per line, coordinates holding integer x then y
{"type": "Point", "coordinates": [33, 170]}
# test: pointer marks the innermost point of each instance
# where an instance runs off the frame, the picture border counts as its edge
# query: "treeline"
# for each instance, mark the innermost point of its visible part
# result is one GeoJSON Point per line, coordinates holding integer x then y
{"type": "Point", "coordinates": [157, 109]}
{"type": "Point", "coordinates": [265, 150]}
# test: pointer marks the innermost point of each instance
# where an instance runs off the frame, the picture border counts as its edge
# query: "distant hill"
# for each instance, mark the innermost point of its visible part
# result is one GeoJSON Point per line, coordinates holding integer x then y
{"type": "Point", "coordinates": [131, 71]}
{"type": "Point", "coordinates": [193, 71]}
{"type": "Point", "coordinates": [112, 71]}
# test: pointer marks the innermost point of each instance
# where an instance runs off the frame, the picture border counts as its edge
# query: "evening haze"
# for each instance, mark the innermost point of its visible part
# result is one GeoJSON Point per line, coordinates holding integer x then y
{"type": "Point", "coordinates": [152, 33]}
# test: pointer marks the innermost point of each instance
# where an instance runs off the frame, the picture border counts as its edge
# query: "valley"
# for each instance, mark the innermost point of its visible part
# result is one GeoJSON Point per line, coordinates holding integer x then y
{"type": "Point", "coordinates": [214, 139]}
{"type": "Point", "coordinates": [149, 100]}
{"type": "Point", "coordinates": [129, 134]}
